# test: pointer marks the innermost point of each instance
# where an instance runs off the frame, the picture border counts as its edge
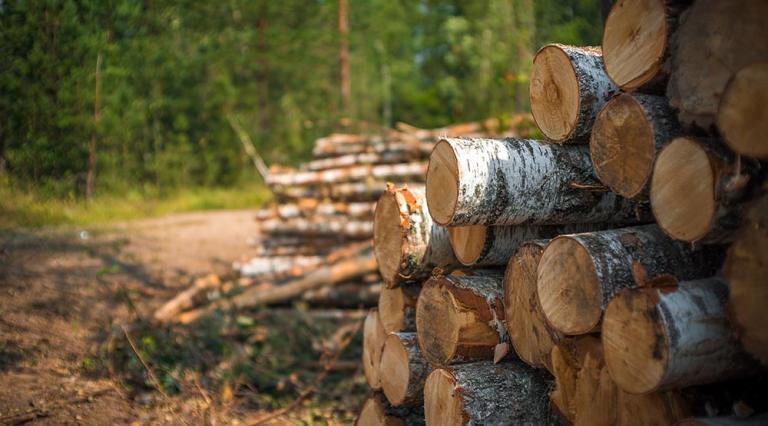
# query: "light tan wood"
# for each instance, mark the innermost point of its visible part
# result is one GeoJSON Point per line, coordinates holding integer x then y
{"type": "Point", "coordinates": [373, 343]}
{"type": "Point", "coordinates": [467, 242]}
{"type": "Point", "coordinates": [566, 360]}
{"type": "Point", "coordinates": [572, 309]}
{"type": "Point", "coordinates": [635, 42]}
{"type": "Point", "coordinates": [388, 237]}
{"type": "Point", "coordinates": [442, 182]}
{"type": "Point", "coordinates": [394, 370]}
{"type": "Point", "coordinates": [374, 413]}
{"type": "Point", "coordinates": [554, 93]}
{"type": "Point", "coordinates": [742, 116]}
{"type": "Point", "coordinates": [443, 406]}
{"type": "Point", "coordinates": [397, 308]}
{"type": "Point", "coordinates": [682, 190]}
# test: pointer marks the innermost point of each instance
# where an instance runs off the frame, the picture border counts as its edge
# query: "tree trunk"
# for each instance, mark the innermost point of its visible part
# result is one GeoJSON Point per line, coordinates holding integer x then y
{"type": "Point", "coordinates": [460, 318]}
{"type": "Point", "coordinates": [578, 274]}
{"type": "Point", "coordinates": [397, 308]}
{"type": "Point", "coordinates": [319, 227]}
{"type": "Point", "coordinates": [91, 178]}
{"type": "Point", "coordinates": [741, 116]}
{"type": "Point", "coordinates": [338, 144]}
{"type": "Point", "coordinates": [483, 393]}
{"type": "Point", "coordinates": [344, 58]}
{"type": "Point", "coordinates": [376, 411]}
{"type": "Point", "coordinates": [531, 336]}
{"type": "Point", "coordinates": [407, 243]}
{"type": "Point", "coordinates": [402, 172]}
{"type": "Point", "coordinates": [276, 264]}
{"type": "Point", "coordinates": [672, 337]}
{"type": "Point", "coordinates": [628, 133]}
{"type": "Point", "coordinates": [186, 299]}
{"type": "Point", "coordinates": [568, 87]}
{"type": "Point", "coordinates": [351, 191]}
{"type": "Point", "coordinates": [746, 270]}
{"type": "Point", "coordinates": [699, 190]}
{"type": "Point", "coordinates": [403, 370]}
{"type": "Point", "coordinates": [636, 43]}
{"type": "Point", "coordinates": [344, 295]}
{"type": "Point", "coordinates": [517, 181]}
{"type": "Point", "coordinates": [311, 207]}
{"type": "Point", "coordinates": [373, 343]}
{"type": "Point", "coordinates": [715, 39]}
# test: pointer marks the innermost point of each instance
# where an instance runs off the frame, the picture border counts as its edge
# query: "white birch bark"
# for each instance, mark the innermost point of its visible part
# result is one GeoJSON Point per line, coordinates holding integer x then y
{"type": "Point", "coordinates": [404, 172]}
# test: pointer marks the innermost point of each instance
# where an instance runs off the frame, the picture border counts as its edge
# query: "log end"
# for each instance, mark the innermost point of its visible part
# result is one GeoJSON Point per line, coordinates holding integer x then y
{"type": "Point", "coordinates": [442, 189]}
{"type": "Point", "coordinates": [394, 370]}
{"type": "Point", "coordinates": [622, 146]}
{"type": "Point", "coordinates": [438, 322]}
{"type": "Point", "coordinates": [374, 413]}
{"type": "Point", "coordinates": [742, 117]}
{"type": "Point", "coordinates": [388, 236]}
{"type": "Point", "coordinates": [442, 401]}
{"type": "Point", "coordinates": [682, 190]}
{"type": "Point", "coordinates": [467, 242]}
{"type": "Point", "coordinates": [554, 93]}
{"type": "Point", "coordinates": [392, 309]}
{"type": "Point", "coordinates": [634, 42]}
{"type": "Point", "coordinates": [568, 287]}
{"type": "Point", "coordinates": [373, 341]}
{"type": "Point", "coordinates": [634, 343]}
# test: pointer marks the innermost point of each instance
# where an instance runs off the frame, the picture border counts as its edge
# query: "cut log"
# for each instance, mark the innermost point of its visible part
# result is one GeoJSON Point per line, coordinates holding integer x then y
{"type": "Point", "coordinates": [741, 116]}
{"type": "Point", "coordinates": [403, 370]}
{"type": "Point", "coordinates": [376, 411]}
{"type": "Point", "coordinates": [397, 308]}
{"type": "Point", "coordinates": [373, 158]}
{"type": "Point", "coordinates": [628, 132]}
{"type": "Point", "coordinates": [407, 244]}
{"type": "Point", "coordinates": [672, 337]}
{"type": "Point", "coordinates": [483, 393]}
{"type": "Point", "coordinates": [698, 191]}
{"type": "Point", "coordinates": [276, 264]}
{"type": "Point", "coordinates": [516, 181]}
{"type": "Point", "coordinates": [531, 336]}
{"type": "Point", "coordinates": [319, 227]}
{"type": "Point", "coordinates": [345, 295]}
{"type": "Point", "coordinates": [636, 42]}
{"type": "Point", "coordinates": [578, 274]}
{"type": "Point", "coordinates": [186, 298]}
{"type": "Point", "coordinates": [715, 39]}
{"type": "Point", "coordinates": [567, 358]}
{"type": "Point", "coordinates": [351, 191]}
{"type": "Point", "coordinates": [746, 270]}
{"type": "Point", "coordinates": [403, 172]}
{"type": "Point", "coordinates": [460, 318]}
{"type": "Point", "coordinates": [568, 87]}
{"type": "Point", "coordinates": [757, 420]}
{"type": "Point", "coordinates": [373, 343]}
{"type": "Point", "coordinates": [309, 207]}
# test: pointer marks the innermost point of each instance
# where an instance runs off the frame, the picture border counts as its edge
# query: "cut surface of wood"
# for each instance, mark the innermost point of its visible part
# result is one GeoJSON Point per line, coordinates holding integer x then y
{"type": "Point", "coordinates": [397, 308]}
{"type": "Point", "coordinates": [376, 411]}
{"type": "Point", "coordinates": [403, 370]}
{"type": "Point", "coordinates": [741, 116]}
{"type": "Point", "coordinates": [373, 343]}
{"type": "Point", "coordinates": [443, 189]}
{"type": "Point", "coordinates": [468, 242]}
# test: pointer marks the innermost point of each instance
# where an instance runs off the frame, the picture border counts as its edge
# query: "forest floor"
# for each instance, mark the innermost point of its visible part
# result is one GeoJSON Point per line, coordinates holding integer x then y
{"type": "Point", "coordinates": [77, 345]}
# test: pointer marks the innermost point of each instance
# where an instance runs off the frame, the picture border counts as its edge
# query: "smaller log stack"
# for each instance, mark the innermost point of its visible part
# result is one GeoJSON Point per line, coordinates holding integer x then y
{"type": "Point", "coordinates": [613, 273]}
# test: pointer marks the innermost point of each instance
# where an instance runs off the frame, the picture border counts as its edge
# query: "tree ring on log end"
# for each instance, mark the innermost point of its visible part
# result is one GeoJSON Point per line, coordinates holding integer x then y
{"type": "Point", "coordinates": [568, 287]}
{"type": "Point", "coordinates": [741, 116]}
{"type": "Point", "coordinates": [682, 190]}
{"type": "Point", "coordinates": [392, 309]}
{"type": "Point", "coordinates": [394, 370]}
{"type": "Point", "coordinates": [554, 93]}
{"type": "Point", "coordinates": [437, 322]}
{"type": "Point", "coordinates": [388, 234]}
{"type": "Point", "coordinates": [634, 343]}
{"type": "Point", "coordinates": [442, 189]}
{"type": "Point", "coordinates": [467, 242]}
{"type": "Point", "coordinates": [374, 413]}
{"type": "Point", "coordinates": [442, 402]}
{"type": "Point", "coordinates": [634, 42]}
{"type": "Point", "coordinates": [622, 146]}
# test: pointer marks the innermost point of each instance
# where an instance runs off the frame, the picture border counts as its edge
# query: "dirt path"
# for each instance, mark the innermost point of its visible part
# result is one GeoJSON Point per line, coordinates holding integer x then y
{"type": "Point", "coordinates": [62, 291]}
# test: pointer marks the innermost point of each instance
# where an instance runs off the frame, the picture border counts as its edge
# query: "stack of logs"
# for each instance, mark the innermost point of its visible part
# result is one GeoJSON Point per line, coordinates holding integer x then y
{"type": "Point", "coordinates": [614, 273]}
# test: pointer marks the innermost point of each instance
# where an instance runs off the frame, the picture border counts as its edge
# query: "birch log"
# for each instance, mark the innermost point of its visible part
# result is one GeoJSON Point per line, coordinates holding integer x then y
{"type": "Point", "coordinates": [403, 370]}
{"type": "Point", "coordinates": [715, 39]}
{"type": "Point", "coordinates": [407, 172]}
{"type": "Point", "coordinates": [407, 243]}
{"type": "Point", "coordinates": [373, 158]}
{"type": "Point", "coordinates": [276, 264]}
{"type": "Point", "coordinates": [628, 132]}
{"type": "Point", "coordinates": [578, 274]}
{"type": "Point", "coordinates": [351, 191]}
{"type": "Point", "coordinates": [636, 42]}
{"type": "Point", "coordinates": [699, 190]}
{"type": "Point", "coordinates": [746, 269]}
{"type": "Point", "coordinates": [310, 207]}
{"type": "Point", "coordinates": [373, 343]}
{"type": "Point", "coordinates": [319, 227]}
{"type": "Point", "coordinates": [484, 393]}
{"type": "Point", "coordinates": [741, 116]}
{"type": "Point", "coordinates": [531, 336]}
{"type": "Point", "coordinates": [460, 318]}
{"type": "Point", "coordinates": [566, 359]}
{"type": "Point", "coordinates": [517, 181]}
{"type": "Point", "coordinates": [568, 87]}
{"type": "Point", "coordinates": [397, 308]}
{"type": "Point", "coordinates": [376, 411]}
{"type": "Point", "coordinates": [672, 337]}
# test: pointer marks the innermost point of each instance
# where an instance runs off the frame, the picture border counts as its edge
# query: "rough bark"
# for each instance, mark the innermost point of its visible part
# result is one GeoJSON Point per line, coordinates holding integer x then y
{"type": "Point", "coordinates": [407, 243]}
{"type": "Point", "coordinates": [397, 308]}
{"type": "Point", "coordinates": [403, 370]}
{"type": "Point", "coordinates": [531, 336]}
{"type": "Point", "coordinates": [699, 190]}
{"type": "Point", "coordinates": [628, 132]}
{"type": "Point", "coordinates": [568, 87]}
{"type": "Point", "coordinates": [460, 318]}
{"type": "Point", "coordinates": [578, 274]}
{"type": "Point", "coordinates": [746, 270]}
{"type": "Point", "coordinates": [319, 227]}
{"type": "Point", "coordinates": [376, 411]}
{"type": "Point", "coordinates": [636, 43]}
{"type": "Point", "coordinates": [714, 40]}
{"type": "Point", "coordinates": [373, 343]}
{"type": "Point", "coordinates": [402, 172]}
{"type": "Point", "coordinates": [516, 181]}
{"type": "Point", "coordinates": [672, 337]}
{"type": "Point", "coordinates": [484, 393]}
{"type": "Point", "coordinates": [741, 116]}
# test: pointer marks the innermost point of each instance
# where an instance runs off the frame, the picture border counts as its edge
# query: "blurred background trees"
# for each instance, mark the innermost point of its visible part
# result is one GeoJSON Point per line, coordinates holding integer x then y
{"type": "Point", "coordinates": [174, 75]}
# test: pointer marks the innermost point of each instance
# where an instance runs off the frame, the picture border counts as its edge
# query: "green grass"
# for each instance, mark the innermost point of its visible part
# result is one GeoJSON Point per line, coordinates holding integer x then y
{"type": "Point", "coordinates": [30, 209]}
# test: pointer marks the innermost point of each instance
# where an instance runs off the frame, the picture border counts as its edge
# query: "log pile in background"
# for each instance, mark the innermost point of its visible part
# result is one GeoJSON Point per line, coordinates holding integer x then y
{"type": "Point", "coordinates": [634, 239]}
